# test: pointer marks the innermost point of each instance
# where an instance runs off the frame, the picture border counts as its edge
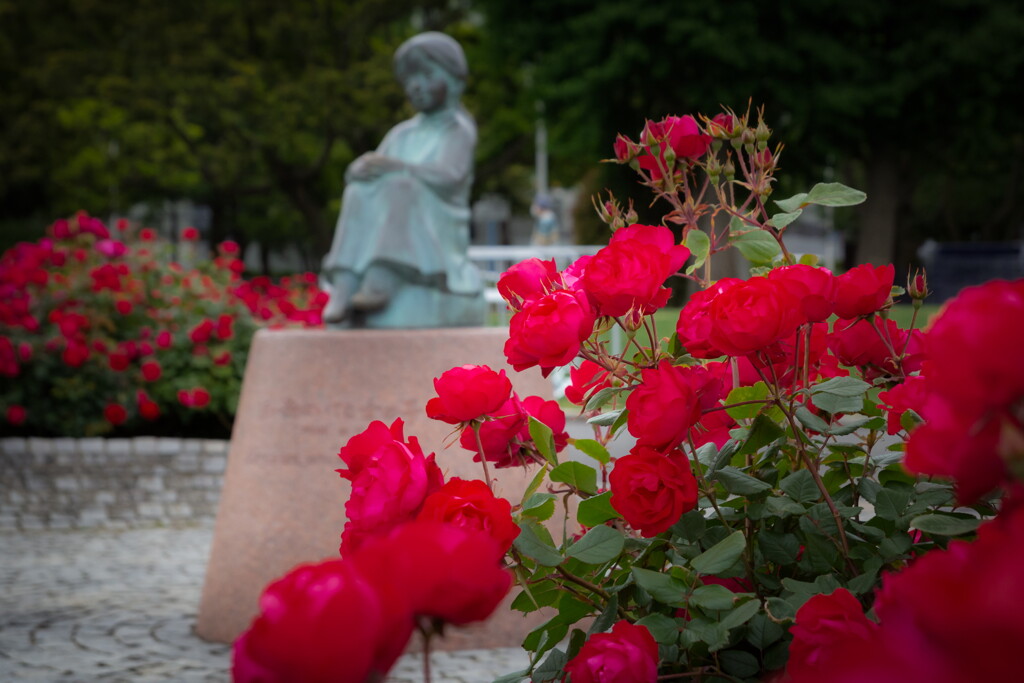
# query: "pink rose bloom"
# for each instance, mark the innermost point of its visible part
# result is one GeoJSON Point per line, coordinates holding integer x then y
{"type": "Point", "coordinates": [111, 248]}
{"type": "Point", "coordinates": [694, 325]}
{"type": "Point", "coordinates": [390, 480]}
{"type": "Point", "coordinates": [652, 490]}
{"type": "Point", "coordinates": [813, 287]}
{"type": "Point", "coordinates": [549, 330]}
{"type": "Point", "coordinates": [320, 623]}
{"type": "Point", "coordinates": [468, 393]}
{"type": "Point", "coordinates": [863, 290]}
{"type": "Point", "coordinates": [527, 281]}
{"type": "Point", "coordinates": [629, 654]}
{"type": "Point", "coordinates": [749, 316]}
{"type": "Point", "coordinates": [626, 277]}
{"type": "Point", "coordinates": [668, 402]}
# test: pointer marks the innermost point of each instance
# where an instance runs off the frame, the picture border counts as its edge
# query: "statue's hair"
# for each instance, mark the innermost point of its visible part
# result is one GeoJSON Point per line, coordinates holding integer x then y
{"type": "Point", "coordinates": [438, 47]}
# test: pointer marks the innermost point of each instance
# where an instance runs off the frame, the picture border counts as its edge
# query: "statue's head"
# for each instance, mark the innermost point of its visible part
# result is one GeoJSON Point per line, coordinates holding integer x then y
{"type": "Point", "coordinates": [432, 69]}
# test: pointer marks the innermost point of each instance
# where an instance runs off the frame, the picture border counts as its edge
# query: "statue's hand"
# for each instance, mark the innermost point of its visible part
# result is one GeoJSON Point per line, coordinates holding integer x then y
{"type": "Point", "coordinates": [372, 165]}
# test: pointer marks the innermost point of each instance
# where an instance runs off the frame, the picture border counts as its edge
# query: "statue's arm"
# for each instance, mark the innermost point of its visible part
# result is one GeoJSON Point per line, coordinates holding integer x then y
{"type": "Point", "coordinates": [453, 165]}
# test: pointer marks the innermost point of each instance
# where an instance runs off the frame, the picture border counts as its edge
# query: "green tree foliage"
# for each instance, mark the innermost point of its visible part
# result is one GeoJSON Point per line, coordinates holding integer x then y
{"type": "Point", "coordinates": [910, 102]}
{"type": "Point", "coordinates": [254, 108]}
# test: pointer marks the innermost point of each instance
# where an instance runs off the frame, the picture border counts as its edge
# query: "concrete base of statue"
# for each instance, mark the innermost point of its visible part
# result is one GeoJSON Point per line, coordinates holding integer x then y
{"type": "Point", "coordinates": [305, 393]}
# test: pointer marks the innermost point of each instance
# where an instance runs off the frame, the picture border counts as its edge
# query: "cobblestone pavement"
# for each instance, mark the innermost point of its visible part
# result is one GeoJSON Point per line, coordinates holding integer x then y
{"type": "Point", "coordinates": [119, 606]}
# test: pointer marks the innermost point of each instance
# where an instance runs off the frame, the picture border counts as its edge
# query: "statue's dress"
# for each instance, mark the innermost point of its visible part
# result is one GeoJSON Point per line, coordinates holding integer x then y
{"type": "Point", "coordinates": [416, 222]}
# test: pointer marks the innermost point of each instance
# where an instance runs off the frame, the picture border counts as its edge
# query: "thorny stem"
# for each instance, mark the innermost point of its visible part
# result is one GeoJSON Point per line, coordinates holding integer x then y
{"type": "Point", "coordinates": [590, 587]}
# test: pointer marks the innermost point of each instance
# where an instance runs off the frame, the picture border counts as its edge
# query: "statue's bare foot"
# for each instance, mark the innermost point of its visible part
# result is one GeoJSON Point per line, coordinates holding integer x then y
{"type": "Point", "coordinates": [369, 300]}
{"type": "Point", "coordinates": [336, 310]}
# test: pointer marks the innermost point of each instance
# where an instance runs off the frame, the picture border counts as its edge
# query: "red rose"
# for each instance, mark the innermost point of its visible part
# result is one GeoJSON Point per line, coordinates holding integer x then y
{"type": "Point", "coordinates": [859, 344]}
{"type": "Point", "coordinates": [229, 247]}
{"type": "Point", "coordinates": [549, 330]}
{"type": "Point", "coordinates": [694, 325]}
{"type": "Point", "coordinates": [625, 149]}
{"type": "Point", "coordinates": [438, 570]}
{"type": "Point", "coordinates": [626, 277]}
{"type": "Point", "coordinates": [863, 290]}
{"type": "Point", "coordinates": [527, 281]}
{"type": "Point", "coordinates": [225, 327]}
{"type": "Point", "coordinates": [668, 402]}
{"type": "Point", "coordinates": [148, 408]}
{"type": "Point", "coordinates": [320, 623]}
{"type": "Point", "coordinates": [147, 234]}
{"type": "Point", "coordinates": [652, 489]}
{"type": "Point", "coordinates": [629, 654]}
{"type": "Point", "coordinates": [202, 332]}
{"type": "Point", "coordinates": [468, 393]}
{"type": "Point", "coordinates": [194, 398]}
{"type": "Point", "coordinates": [823, 624]}
{"type": "Point", "coordinates": [16, 415]}
{"type": "Point", "coordinates": [586, 380]}
{"type": "Point", "coordinates": [471, 505]}
{"type": "Point", "coordinates": [390, 480]}
{"type": "Point", "coordinates": [223, 358]}
{"type": "Point", "coordinates": [682, 134]}
{"type": "Point", "coordinates": [749, 316]}
{"type": "Point", "coordinates": [123, 307]}
{"type": "Point", "coordinates": [723, 126]}
{"type": "Point", "coordinates": [190, 234]}
{"type": "Point", "coordinates": [163, 339]}
{"type": "Point", "coordinates": [813, 287]}
{"type": "Point", "coordinates": [910, 395]}
{"type": "Point", "coordinates": [118, 361]}
{"type": "Point", "coordinates": [506, 438]}
{"type": "Point", "coordinates": [115, 414]}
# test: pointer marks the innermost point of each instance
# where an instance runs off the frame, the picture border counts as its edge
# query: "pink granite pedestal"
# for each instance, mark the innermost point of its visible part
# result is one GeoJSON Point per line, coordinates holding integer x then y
{"type": "Point", "coordinates": [305, 393]}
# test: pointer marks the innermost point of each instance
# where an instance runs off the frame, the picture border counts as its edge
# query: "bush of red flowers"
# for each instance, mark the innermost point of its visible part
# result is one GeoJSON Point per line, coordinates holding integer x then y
{"type": "Point", "coordinates": [102, 332]}
{"type": "Point", "coordinates": [815, 494]}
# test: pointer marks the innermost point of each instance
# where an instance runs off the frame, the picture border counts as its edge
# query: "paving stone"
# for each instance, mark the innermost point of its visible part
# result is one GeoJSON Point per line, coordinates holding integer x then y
{"type": "Point", "coordinates": [108, 605]}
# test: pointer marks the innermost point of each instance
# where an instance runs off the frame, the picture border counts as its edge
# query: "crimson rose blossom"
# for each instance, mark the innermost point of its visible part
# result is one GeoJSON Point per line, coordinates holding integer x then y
{"type": "Point", "coordinates": [629, 654]}
{"type": "Point", "coordinates": [390, 480]}
{"type": "Point", "coordinates": [681, 133]}
{"type": "Point", "coordinates": [549, 330]}
{"type": "Point", "coordinates": [16, 415]}
{"type": "Point", "coordinates": [668, 401]}
{"type": "Point", "coordinates": [652, 490]}
{"type": "Point", "coordinates": [471, 505]}
{"type": "Point", "coordinates": [585, 381]}
{"type": "Point", "coordinates": [863, 290]}
{"type": "Point", "coordinates": [438, 570]}
{"type": "Point", "coordinates": [751, 315]}
{"type": "Point", "coordinates": [506, 438]}
{"type": "Point", "coordinates": [320, 623]}
{"type": "Point", "coordinates": [626, 277]}
{"type": "Point", "coordinates": [115, 414]}
{"type": "Point", "coordinates": [527, 281]}
{"type": "Point", "coordinates": [468, 393]}
{"type": "Point", "coordinates": [694, 325]}
{"type": "Point", "coordinates": [813, 287]}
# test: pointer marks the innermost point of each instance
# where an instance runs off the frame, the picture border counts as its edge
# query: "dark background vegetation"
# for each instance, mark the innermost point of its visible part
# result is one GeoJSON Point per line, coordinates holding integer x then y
{"type": "Point", "coordinates": [255, 108]}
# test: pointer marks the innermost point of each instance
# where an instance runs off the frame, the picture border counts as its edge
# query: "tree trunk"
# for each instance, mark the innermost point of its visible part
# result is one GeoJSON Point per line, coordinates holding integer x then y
{"type": "Point", "coordinates": [877, 236]}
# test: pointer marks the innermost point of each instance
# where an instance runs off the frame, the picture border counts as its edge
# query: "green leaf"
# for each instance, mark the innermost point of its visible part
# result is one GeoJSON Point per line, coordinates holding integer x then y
{"type": "Point", "coordinates": [594, 449]}
{"type": "Point", "coordinates": [890, 504]}
{"type": "Point", "coordinates": [811, 421]}
{"type": "Point", "coordinates": [723, 457]}
{"type": "Point", "coordinates": [781, 220]}
{"type": "Point", "coordinates": [823, 194]}
{"type": "Point", "coordinates": [781, 506]}
{"type": "Point", "coordinates": [514, 677]}
{"type": "Point", "coordinates": [762, 631]}
{"type": "Point", "coordinates": [662, 587]}
{"type": "Point", "coordinates": [762, 432]}
{"type": "Point", "coordinates": [741, 614]}
{"type": "Point", "coordinates": [778, 548]}
{"type": "Point", "coordinates": [664, 629]}
{"type": "Point", "coordinates": [755, 392]}
{"type": "Point", "coordinates": [712, 597]}
{"type": "Point", "coordinates": [739, 482]}
{"type": "Point", "coordinates": [757, 246]}
{"type": "Point", "coordinates": [540, 506]}
{"type": "Point", "coordinates": [531, 545]}
{"type": "Point", "coordinates": [599, 545]}
{"type": "Point", "coordinates": [840, 395]}
{"type": "Point", "coordinates": [601, 397]}
{"type": "Point", "coordinates": [705, 631]}
{"type": "Point", "coordinates": [542, 594]}
{"type": "Point", "coordinates": [739, 663]}
{"type": "Point", "coordinates": [945, 525]}
{"type": "Point", "coordinates": [699, 244]}
{"type": "Point", "coordinates": [800, 486]}
{"type": "Point", "coordinates": [596, 510]}
{"type": "Point", "coordinates": [608, 617]}
{"type": "Point", "coordinates": [577, 475]}
{"type": "Point", "coordinates": [605, 419]}
{"type": "Point", "coordinates": [544, 439]}
{"type": "Point", "coordinates": [720, 556]}
{"type": "Point", "coordinates": [691, 526]}
{"type": "Point", "coordinates": [551, 668]}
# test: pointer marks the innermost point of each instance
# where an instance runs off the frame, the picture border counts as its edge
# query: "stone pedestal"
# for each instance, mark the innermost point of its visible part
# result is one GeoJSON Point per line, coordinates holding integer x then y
{"type": "Point", "coordinates": [305, 393]}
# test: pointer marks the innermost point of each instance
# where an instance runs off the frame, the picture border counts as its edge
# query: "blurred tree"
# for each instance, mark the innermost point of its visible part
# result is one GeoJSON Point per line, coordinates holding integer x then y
{"type": "Point", "coordinates": [241, 106]}
{"type": "Point", "coordinates": [909, 102]}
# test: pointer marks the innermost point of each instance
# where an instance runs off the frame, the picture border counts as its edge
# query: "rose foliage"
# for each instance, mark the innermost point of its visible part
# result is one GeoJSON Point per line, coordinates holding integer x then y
{"type": "Point", "coordinates": [815, 493]}
{"type": "Point", "coordinates": [104, 332]}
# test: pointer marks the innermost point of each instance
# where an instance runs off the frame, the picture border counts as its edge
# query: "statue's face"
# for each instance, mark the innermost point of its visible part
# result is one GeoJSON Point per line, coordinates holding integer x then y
{"type": "Point", "coordinates": [425, 83]}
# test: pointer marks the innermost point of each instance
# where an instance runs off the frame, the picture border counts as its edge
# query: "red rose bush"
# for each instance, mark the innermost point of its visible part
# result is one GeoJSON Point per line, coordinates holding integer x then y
{"type": "Point", "coordinates": [815, 493]}
{"type": "Point", "coordinates": [104, 333]}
